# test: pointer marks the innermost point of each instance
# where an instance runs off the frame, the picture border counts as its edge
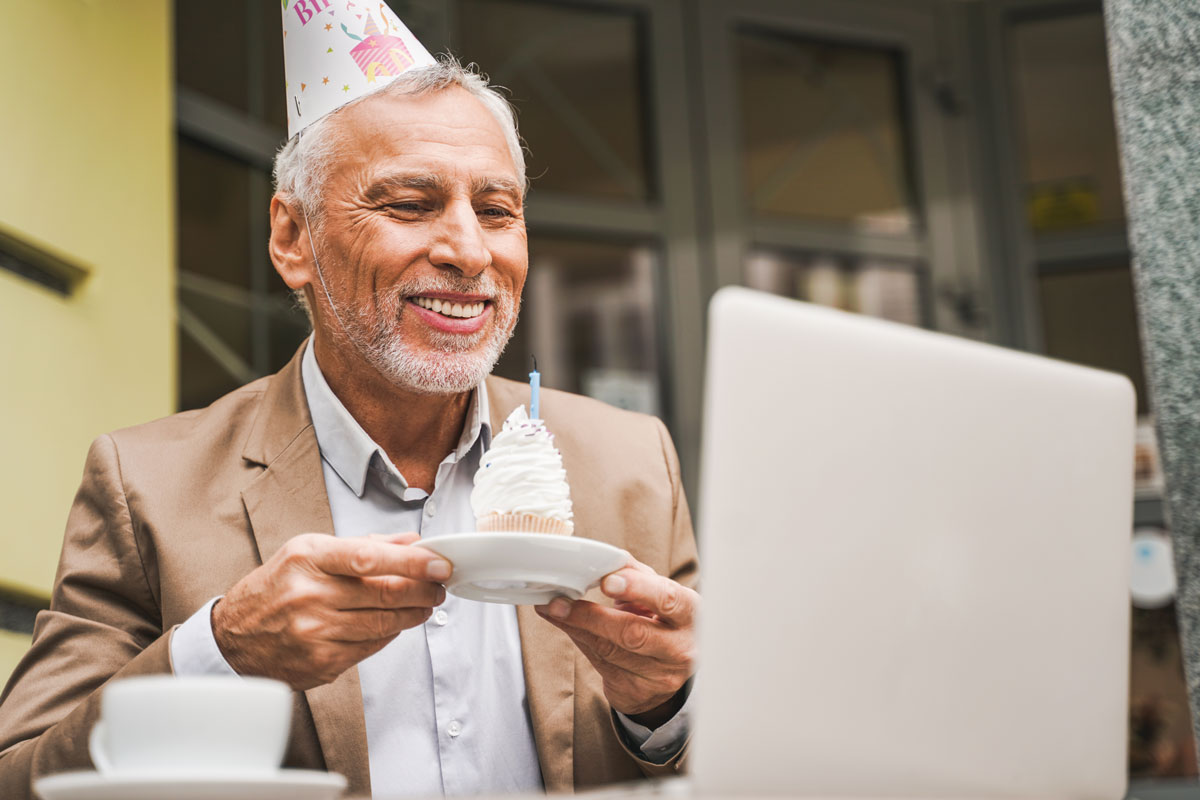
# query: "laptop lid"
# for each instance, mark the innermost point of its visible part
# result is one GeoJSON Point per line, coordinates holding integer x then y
{"type": "Point", "coordinates": [914, 555]}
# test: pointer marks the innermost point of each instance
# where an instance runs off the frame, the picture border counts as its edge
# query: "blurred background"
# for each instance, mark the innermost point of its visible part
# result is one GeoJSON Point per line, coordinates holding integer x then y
{"type": "Point", "coordinates": [950, 164]}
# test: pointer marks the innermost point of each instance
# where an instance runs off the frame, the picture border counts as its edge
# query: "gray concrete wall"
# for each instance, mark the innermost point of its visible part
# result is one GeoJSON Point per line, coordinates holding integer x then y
{"type": "Point", "coordinates": [1154, 55]}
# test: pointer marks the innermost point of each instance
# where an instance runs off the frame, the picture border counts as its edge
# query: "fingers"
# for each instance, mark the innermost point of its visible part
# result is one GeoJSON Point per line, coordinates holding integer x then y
{"type": "Point", "coordinates": [632, 683]}
{"type": "Point", "coordinates": [673, 602]}
{"type": "Point", "coordinates": [321, 604]}
{"type": "Point", "coordinates": [385, 592]}
{"type": "Point", "coordinates": [624, 631]}
{"type": "Point", "coordinates": [601, 651]}
{"type": "Point", "coordinates": [649, 629]}
{"type": "Point", "coordinates": [634, 608]}
{"type": "Point", "coordinates": [363, 557]}
{"type": "Point", "coordinates": [374, 624]}
{"type": "Point", "coordinates": [607, 662]}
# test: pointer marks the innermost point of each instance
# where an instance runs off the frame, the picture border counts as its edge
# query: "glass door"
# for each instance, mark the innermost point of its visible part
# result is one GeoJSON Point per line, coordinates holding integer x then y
{"type": "Point", "coordinates": [832, 155]}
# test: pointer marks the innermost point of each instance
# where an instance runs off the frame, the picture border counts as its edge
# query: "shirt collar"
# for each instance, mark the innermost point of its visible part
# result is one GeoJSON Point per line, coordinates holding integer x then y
{"type": "Point", "coordinates": [347, 448]}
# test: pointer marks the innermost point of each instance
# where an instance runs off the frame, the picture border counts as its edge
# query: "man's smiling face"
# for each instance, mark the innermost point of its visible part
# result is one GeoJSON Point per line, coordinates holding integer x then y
{"type": "Point", "coordinates": [422, 241]}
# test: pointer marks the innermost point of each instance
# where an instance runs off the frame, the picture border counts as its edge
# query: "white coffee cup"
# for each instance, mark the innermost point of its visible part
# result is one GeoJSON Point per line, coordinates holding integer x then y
{"type": "Point", "coordinates": [164, 724]}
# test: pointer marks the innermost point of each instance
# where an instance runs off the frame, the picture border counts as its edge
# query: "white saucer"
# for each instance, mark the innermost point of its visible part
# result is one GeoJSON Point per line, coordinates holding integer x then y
{"type": "Point", "coordinates": [284, 784]}
{"type": "Point", "coordinates": [524, 568]}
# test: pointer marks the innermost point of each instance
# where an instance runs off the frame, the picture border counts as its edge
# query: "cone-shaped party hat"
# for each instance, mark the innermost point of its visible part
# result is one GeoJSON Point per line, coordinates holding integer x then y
{"type": "Point", "coordinates": [335, 51]}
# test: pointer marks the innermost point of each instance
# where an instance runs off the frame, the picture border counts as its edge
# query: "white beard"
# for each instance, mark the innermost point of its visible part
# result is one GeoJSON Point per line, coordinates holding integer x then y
{"type": "Point", "coordinates": [457, 362]}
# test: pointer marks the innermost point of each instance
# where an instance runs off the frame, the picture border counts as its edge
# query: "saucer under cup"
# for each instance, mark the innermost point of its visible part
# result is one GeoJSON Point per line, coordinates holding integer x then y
{"type": "Point", "coordinates": [282, 784]}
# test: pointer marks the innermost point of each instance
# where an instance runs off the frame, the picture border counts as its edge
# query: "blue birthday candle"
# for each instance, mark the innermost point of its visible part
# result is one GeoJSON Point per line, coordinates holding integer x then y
{"type": "Point", "coordinates": [535, 385]}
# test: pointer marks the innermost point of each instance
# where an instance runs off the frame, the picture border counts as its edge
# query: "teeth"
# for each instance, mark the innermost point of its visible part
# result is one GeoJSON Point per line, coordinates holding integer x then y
{"type": "Point", "coordinates": [446, 308]}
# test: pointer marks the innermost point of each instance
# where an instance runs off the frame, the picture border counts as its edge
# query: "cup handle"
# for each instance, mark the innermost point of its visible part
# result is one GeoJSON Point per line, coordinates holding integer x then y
{"type": "Point", "coordinates": [96, 748]}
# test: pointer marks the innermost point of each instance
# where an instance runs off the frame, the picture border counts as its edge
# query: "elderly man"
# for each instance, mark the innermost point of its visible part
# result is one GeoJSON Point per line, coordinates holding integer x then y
{"type": "Point", "coordinates": [199, 544]}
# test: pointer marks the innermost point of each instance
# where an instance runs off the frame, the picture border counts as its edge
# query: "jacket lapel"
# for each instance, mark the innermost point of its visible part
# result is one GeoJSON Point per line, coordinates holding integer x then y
{"type": "Point", "coordinates": [549, 659]}
{"type": "Point", "coordinates": [288, 498]}
{"type": "Point", "coordinates": [547, 653]}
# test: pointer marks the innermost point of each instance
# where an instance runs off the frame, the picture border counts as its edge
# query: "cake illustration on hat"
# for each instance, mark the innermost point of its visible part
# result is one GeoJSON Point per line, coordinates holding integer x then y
{"type": "Point", "coordinates": [521, 485]}
{"type": "Point", "coordinates": [378, 53]}
{"type": "Point", "coordinates": [336, 52]}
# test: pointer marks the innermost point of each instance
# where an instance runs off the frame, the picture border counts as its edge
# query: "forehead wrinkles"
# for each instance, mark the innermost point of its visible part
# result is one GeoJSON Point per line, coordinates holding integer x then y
{"type": "Point", "coordinates": [433, 124]}
{"type": "Point", "coordinates": [437, 133]}
{"type": "Point", "coordinates": [467, 160]}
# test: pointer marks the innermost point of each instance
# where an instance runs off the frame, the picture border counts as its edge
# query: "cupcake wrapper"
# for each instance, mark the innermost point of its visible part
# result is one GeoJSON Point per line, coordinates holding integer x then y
{"type": "Point", "coordinates": [523, 523]}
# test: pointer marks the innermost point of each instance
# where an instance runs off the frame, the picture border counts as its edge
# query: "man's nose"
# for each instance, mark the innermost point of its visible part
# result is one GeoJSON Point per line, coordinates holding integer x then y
{"type": "Point", "coordinates": [458, 240]}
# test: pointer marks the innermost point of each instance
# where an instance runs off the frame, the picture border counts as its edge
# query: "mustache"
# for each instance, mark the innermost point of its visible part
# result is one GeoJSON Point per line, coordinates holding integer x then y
{"type": "Point", "coordinates": [452, 284]}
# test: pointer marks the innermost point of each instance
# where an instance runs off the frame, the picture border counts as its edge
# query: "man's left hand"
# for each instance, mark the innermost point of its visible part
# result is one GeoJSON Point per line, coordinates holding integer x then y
{"type": "Point", "coordinates": [643, 648]}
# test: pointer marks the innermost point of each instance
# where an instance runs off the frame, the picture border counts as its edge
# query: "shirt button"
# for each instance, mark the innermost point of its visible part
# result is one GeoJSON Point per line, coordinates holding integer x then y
{"type": "Point", "coordinates": [454, 728]}
{"type": "Point", "coordinates": [441, 617]}
{"type": "Point", "coordinates": [430, 508]}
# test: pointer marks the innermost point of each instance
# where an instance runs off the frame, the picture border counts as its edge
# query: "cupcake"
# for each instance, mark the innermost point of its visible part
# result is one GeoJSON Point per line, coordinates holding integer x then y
{"type": "Point", "coordinates": [521, 485]}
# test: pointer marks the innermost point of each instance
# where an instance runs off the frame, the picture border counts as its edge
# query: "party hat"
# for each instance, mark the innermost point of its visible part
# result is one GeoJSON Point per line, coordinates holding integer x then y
{"type": "Point", "coordinates": [335, 51]}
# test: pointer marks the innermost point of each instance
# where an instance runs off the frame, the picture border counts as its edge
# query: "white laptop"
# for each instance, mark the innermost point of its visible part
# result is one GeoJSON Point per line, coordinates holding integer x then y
{"type": "Point", "coordinates": [914, 554]}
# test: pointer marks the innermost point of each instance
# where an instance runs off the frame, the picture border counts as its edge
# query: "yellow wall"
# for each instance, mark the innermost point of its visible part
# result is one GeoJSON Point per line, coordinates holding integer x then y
{"type": "Point", "coordinates": [12, 647]}
{"type": "Point", "coordinates": [86, 166]}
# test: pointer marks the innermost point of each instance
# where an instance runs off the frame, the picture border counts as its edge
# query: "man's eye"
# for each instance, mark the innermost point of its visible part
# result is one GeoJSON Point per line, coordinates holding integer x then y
{"type": "Point", "coordinates": [495, 211]}
{"type": "Point", "coordinates": [410, 208]}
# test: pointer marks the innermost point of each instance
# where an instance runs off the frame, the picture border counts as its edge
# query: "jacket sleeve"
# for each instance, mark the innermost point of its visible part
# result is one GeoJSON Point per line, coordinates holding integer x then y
{"type": "Point", "coordinates": [685, 566]}
{"type": "Point", "coordinates": [685, 569]}
{"type": "Point", "coordinates": [104, 621]}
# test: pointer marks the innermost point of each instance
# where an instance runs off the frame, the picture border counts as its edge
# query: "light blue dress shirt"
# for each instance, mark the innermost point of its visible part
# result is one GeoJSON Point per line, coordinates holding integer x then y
{"type": "Point", "coordinates": [445, 703]}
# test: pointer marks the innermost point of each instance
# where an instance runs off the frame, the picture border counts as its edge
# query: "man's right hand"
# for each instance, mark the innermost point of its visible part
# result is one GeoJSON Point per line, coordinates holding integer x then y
{"type": "Point", "coordinates": [322, 604]}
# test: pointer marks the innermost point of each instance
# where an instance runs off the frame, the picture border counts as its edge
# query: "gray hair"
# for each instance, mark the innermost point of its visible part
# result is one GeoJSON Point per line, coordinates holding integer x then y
{"type": "Point", "coordinates": [303, 163]}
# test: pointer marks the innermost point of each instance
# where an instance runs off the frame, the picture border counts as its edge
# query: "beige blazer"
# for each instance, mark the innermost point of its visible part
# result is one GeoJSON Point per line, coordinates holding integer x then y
{"type": "Point", "coordinates": [174, 512]}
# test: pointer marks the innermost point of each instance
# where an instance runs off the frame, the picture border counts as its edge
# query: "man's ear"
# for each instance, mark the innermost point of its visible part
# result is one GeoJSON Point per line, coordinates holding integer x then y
{"type": "Point", "coordinates": [289, 244]}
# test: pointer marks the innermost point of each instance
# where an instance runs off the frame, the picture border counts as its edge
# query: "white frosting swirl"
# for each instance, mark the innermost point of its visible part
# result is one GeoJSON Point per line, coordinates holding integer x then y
{"type": "Point", "coordinates": [522, 472]}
